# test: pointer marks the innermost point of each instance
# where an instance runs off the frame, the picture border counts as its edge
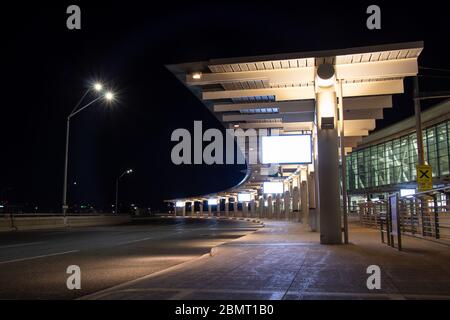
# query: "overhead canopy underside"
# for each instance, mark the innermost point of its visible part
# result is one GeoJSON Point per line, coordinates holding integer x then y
{"type": "Point", "coordinates": [279, 91]}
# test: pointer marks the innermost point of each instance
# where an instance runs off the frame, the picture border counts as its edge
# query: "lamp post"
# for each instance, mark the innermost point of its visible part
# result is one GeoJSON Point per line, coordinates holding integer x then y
{"type": "Point", "coordinates": [129, 171]}
{"type": "Point", "coordinates": [109, 97]}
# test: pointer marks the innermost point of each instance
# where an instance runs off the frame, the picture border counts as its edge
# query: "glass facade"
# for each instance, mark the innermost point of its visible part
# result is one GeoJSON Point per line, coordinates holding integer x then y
{"type": "Point", "coordinates": [394, 161]}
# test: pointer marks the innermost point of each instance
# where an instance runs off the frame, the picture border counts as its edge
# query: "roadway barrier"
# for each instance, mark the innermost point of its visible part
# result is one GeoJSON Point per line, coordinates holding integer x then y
{"type": "Point", "coordinates": [425, 214]}
{"type": "Point", "coordinates": [43, 221]}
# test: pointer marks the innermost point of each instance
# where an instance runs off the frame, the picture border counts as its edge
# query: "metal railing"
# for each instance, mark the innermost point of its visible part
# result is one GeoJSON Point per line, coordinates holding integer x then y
{"type": "Point", "coordinates": [425, 214]}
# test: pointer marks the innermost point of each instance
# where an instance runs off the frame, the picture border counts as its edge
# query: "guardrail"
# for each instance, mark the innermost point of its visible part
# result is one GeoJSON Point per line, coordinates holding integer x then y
{"type": "Point", "coordinates": [29, 222]}
{"type": "Point", "coordinates": [425, 214]}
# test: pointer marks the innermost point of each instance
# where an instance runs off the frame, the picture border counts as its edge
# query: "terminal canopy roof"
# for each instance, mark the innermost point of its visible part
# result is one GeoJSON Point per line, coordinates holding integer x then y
{"type": "Point", "coordinates": [279, 91]}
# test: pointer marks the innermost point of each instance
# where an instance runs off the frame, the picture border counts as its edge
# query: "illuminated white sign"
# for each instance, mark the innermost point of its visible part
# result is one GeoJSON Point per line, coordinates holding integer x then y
{"type": "Point", "coordinates": [407, 192]}
{"type": "Point", "coordinates": [179, 204]}
{"type": "Point", "coordinates": [286, 149]}
{"type": "Point", "coordinates": [273, 187]}
{"type": "Point", "coordinates": [212, 202]}
{"type": "Point", "coordinates": [244, 197]}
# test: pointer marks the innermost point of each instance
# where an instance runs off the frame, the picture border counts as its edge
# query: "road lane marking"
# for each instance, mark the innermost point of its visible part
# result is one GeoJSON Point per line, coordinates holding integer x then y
{"type": "Point", "coordinates": [162, 235]}
{"type": "Point", "coordinates": [38, 257]}
{"type": "Point", "coordinates": [134, 241]}
{"type": "Point", "coordinates": [21, 244]}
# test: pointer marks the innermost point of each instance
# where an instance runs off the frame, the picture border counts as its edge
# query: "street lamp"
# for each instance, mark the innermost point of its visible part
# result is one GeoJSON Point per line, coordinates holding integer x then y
{"type": "Point", "coordinates": [109, 96]}
{"type": "Point", "coordinates": [129, 171]}
{"type": "Point", "coordinates": [97, 87]}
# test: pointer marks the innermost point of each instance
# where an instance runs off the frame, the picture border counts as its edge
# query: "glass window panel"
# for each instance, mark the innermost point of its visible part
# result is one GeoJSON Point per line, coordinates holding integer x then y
{"type": "Point", "coordinates": [395, 161]}
{"type": "Point", "coordinates": [444, 165]}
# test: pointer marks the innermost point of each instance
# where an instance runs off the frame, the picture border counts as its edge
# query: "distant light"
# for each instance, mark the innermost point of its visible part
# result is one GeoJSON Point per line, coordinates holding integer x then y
{"type": "Point", "coordinates": [407, 192]}
{"type": "Point", "coordinates": [75, 183]}
{"type": "Point", "coordinates": [179, 204]}
{"type": "Point", "coordinates": [2, 206]}
{"type": "Point", "coordinates": [197, 75]}
{"type": "Point", "coordinates": [212, 202]}
{"type": "Point", "coordinates": [98, 86]}
{"type": "Point", "coordinates": [244, 197]}
{"type": "Point", "coordinates": [273, 187]}
{"type": "Point", "coordinates": [109, 96]}
{"type": "Point", "coordinates": [236, 126]}
{"type": "Point", "coordinates": [129, 171]}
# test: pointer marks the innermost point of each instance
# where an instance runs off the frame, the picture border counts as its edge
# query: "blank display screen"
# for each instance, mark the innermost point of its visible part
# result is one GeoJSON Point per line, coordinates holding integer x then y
{"type": "Point", "coordinates": [294, 149]}
{"type": "Point", "coordinates": [273, 187]}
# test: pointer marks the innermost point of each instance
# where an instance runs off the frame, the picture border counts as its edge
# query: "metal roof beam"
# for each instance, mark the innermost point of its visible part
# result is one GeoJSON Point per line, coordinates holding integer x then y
{"type": "Point", "coordinates": [283, 106]}
{"type": "Point", "coordinates": [377, 69]}
{"type": "Point", "coordinates": [281, 94]}
{"type": "Point", "coordinates": [275, 77]}
{"type": "Point", "coordinates": [351, 89]}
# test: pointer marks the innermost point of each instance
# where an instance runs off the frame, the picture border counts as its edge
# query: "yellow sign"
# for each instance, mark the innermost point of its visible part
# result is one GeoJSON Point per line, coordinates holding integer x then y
{"type": "Point", "coordinates": [424, 178]}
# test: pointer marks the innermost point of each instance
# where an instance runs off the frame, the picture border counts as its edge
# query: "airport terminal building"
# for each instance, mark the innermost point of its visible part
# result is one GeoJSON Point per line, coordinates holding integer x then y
{"type": "Point", "coordinates": [385, 161]}
{"type": "Point", "coordinates": [334, 97]}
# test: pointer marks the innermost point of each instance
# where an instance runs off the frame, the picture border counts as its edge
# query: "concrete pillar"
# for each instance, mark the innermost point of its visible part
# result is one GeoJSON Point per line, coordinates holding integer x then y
{"type": "Point", "coordinates": [244, 209]}
{"type": "Point", "coordinates": [277, 206]}
{"type": "Point", "coordinates": [209, 210]}
{"type": "Point", "coordinates": [261, 207]}
{"type": "Point", "coordinates": [252, 208]}
{"type": "Point", "coordinates": [218, 207]}
{"type": "Point", "coordinates": [235, 207]}
{"type": "Point", "coordinates": [304, 203]}
{"type": "Point", "coordinates": [269, 207]}
{"type": "Point", "coordinates": [200, 208]}
{"type": "Point", "coordinates": [314, 216]}
{"type": "Point", "coordinates": [287, 204]}
{"type": "Point", "coordinates": [328, 165]}
{"type": "Point", "coordinates": [227, 207]}
{"type": "Point", "coordinates": [192, 208]}
{"type": "Point", "coordinates": [184, 210]}
{"type": "Point", "coordinates": [311, 191]}
{"type": "Point", "coordinates": [296, 200]}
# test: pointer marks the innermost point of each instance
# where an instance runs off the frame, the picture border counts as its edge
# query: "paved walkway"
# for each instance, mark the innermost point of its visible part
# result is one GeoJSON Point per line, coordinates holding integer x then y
{"type": "Point", "coordinates": [283, 261]}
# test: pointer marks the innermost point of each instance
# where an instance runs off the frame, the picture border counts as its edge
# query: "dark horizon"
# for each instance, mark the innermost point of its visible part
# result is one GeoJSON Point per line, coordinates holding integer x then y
{"type": "Point", "coordinates": [48, 67]}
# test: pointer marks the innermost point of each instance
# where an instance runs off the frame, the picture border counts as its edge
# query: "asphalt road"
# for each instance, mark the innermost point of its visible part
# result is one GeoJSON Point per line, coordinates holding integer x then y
{"type": "Point", "coordinates": [33, 264]}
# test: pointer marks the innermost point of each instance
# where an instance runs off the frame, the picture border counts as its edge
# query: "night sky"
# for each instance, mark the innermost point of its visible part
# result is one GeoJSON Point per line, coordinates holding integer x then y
{"type": "Point", "coordinates": [46, 68]}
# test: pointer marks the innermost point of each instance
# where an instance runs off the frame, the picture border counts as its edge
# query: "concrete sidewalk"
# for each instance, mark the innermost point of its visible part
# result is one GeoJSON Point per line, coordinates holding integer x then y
{"type": "Point", "coordinates": [283, 261]}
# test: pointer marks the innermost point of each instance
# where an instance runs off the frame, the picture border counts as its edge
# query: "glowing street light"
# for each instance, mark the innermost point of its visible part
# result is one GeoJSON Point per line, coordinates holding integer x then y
{"type": "Point", "coordinates": [109, 96]}
{"type": "Point", "coordinates": [98, 86]}
{"type": "Point", "coordinates": [129, 171]}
